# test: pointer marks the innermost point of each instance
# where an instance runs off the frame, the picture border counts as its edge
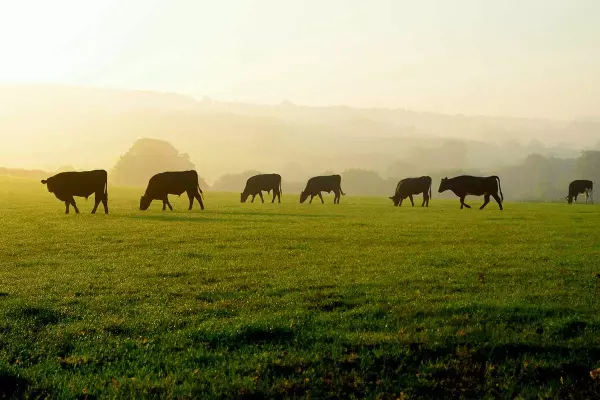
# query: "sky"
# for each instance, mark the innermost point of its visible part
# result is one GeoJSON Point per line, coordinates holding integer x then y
{"type": "Point", "coordinates": [528, 58]}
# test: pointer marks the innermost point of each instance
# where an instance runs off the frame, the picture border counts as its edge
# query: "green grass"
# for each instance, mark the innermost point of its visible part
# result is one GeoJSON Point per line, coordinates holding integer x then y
{"type": "Point", "coordinates": [360, 299]}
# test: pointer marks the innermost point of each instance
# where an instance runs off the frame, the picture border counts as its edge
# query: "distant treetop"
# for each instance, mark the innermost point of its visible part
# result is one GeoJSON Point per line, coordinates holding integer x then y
{"type": "Point", "coordinates": [146, 158]}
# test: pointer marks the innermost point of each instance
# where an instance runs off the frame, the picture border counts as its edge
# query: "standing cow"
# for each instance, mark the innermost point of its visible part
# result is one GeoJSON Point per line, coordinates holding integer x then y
{"type": "Point", "coordinates": [474, 185]}
{"type": "Point", "coordinates": [66, 185]}
{"type": "Point", "coordinates": [318, 184]}
{"type": "Point", "coordinates": [257, 183]}
{"type": "Point", "coordinates": [409, 186]}
{"type": "Point", "coordinates": [162, 185]}
{"type": "Point", "coordinates": [578, 187]}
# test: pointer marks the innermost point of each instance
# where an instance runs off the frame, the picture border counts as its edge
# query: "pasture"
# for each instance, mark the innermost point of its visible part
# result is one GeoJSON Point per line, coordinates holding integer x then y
{"type": "Point", "coordinates": [360, 299]}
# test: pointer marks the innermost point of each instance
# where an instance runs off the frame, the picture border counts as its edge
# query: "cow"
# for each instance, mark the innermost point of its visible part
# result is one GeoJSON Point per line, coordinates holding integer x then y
{"type": "Point", "coordinates": [578, 187]}
{"type": "Point", "coordinates": [66, 185]}
{"type": "Point", "coordinates": [474, 185]}
{"type": "Point", "coordinates": [318, 184]}
{"type": "Point", "coordinates": [163, 184]}
{"type": "Point", "coordinates": [409, 186]}
{"type": "Point", "coordinates": [257, 183]}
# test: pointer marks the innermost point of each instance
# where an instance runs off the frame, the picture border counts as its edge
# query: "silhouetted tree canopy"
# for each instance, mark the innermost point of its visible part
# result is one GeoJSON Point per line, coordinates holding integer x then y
{"type": "Point", "coordinates": [233, 182]}
{"type": "Point", "coordinates": [148, 157]}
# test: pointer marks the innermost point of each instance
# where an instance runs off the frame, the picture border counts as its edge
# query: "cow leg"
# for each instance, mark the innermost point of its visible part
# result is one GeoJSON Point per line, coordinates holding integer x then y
{"type": "Point", "coordinates": [199, 198]}
{"type": "Point", "coordinates": [105, 204]}
{"type": "Point", "coordinates": [425, 200]}
{"type": "Point", "coordinates": [497, 198]}
{"type": "Point", "coordinates": [411, 200]}
{"type": "Point", "coordinates": [168, 204]}
{"type": "Point", "coordinates": [400, 202]}
{"type": "Point", "coordinates": [253, 196]}
{"type": "Point", "coordinates": [486, 199]}
{"type": "Point", "coordinates": [462, 203]}
{"type": "Point", "coordinates": [278, 196]}
{"type": "Point", "coordinates": [311, 198]}
{"type": "Point", "coordinates": [191, 198]}
{"type": "Point", "coordinates": [67, 204]}
{"type": "Point", "coordinates": [274, 195]}
{"type": "Point", "coordinates": [74, 205]}
{"type": "Point", "coordinates": [321, 197]}
{"type": "Point", "coordinates": [164, 205]}
{"type": "Point", "coordinates": [262, 199]}
{"type": "Point", "coordinates": [96, 204]}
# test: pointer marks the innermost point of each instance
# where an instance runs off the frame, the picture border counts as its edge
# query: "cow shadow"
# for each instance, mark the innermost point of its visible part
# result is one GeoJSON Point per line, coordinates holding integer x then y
{"type": "Point", "coordinates": [264, 216]}
{"type": "Point", "coordinates": [178, 218]}
{"type": "Point", "coordinates": [276, 214]}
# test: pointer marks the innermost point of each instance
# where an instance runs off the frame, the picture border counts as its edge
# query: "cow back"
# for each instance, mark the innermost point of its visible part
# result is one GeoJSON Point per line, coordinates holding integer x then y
{"type": "Point", "coordinates": [580, 186]}
{"type": "Point", "coordinates": [78, 183]}
{"type": "Point", "coordinates": [410, 186]}
{"type": "Point", "coordinates": [323, 183]}
{"type": "Point", "coordinates": [172, 182]}
{"type": "Point", "coordinates": [262, 182]}
{"type": "Point", "coordinates": [473, 185]}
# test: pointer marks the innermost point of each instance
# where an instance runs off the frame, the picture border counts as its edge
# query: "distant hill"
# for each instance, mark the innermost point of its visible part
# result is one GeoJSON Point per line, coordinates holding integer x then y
{"type": "Point", "coordinates": [45, 126]}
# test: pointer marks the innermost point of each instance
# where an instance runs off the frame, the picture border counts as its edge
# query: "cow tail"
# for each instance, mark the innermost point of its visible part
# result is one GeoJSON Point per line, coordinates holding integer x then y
{"type": "Point", "coordinates": [201, 192]}
{"type": "Point", "coordinates": [280, 189]}
{"type": "Point", "coordinates": [430, 189]}
{"type": "Point", "coordinates": [499, 188]}
{"type": "Point", "coordinates": [106, 190]}
{"type": "Point", "coordinates": [342, 192]}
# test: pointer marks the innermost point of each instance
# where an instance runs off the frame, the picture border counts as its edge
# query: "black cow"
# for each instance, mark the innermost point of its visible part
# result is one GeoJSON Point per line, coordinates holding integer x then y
{"type": "Point", "coordinates": [474, 185]}
{"type": "Point", "coordinates": [318, 184]}
{"type": "Point", "coordinates": [81, 184]}
{"type": "Point", "coordinates": [578, 187]}
{"type": "Point", "coordinates": [162, 185]}
{"type": "Point", "coordinates": [409, 186]}
{"type": "Point", "coordinates": [257, 183]}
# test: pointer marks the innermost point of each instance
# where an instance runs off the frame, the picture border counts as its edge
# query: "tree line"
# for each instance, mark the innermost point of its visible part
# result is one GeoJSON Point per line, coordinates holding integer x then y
{"type": "Point", "coordinates": [537, 178]}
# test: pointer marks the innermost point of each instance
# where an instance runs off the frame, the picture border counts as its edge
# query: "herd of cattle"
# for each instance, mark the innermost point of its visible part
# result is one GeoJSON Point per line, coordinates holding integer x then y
{"type": "Point", "coordinates": [67, 185]}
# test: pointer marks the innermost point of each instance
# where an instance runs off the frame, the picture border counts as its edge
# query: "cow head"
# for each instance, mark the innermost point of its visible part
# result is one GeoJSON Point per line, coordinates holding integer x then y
{"type": "Point", "coordinates": [48, 184]}
{"type": "Point", "coordinates": [395, 200]}
{"type": "Point", "coordinates": [145, 202]}
{"type": "Point", "coordinates": [569, 199]}
{"type": "Point", "coordinates": [244, 197]}
{"type": "Point", "coordinates": [303, 196]}
{"type": "Point", "coordinates": [443, 185]}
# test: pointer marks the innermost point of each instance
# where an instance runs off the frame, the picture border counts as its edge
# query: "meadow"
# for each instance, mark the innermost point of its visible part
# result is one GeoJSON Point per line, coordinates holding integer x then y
{"type": "Point", "coordinates": [357, 300]}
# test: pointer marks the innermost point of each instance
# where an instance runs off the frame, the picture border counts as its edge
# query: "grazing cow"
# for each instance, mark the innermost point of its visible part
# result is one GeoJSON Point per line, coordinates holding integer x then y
{"type": "Point", "coordinates": [257, 183]}
{"type": "Point", "coordinates": [162, 185]}
{"type": "Point", "coordinates": [474, 185]}
{"type": "Point", "coordinates": [81, 184]}
{"type": "Point", "coordinates": [409, 186]}
{"type": "Point", "coordinates": [578, 187]}
{"type": "Point", "coordinates": [318, 184]}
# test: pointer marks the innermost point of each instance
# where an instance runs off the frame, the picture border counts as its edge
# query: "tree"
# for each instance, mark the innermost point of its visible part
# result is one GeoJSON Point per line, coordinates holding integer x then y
{"type": "Point", "coordinates": [588, 166]}
{"type": "Point", "coordinates": [146, 158]}
{"type": "Point", "coordinates": [364, 182]}
{"type": "Point", "coordinates": [233, 182]}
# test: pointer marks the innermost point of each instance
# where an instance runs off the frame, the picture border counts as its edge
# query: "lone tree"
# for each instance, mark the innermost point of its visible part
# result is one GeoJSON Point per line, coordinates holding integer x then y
{"type": "Point", "coordinates": [148, 157]}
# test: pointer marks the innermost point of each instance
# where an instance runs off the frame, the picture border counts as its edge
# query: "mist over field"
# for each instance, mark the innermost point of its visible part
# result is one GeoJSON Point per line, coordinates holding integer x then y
{"type": "Point", "coordinates": [52, 128]}
{"type": "Point", "coordinates": [375, 92]}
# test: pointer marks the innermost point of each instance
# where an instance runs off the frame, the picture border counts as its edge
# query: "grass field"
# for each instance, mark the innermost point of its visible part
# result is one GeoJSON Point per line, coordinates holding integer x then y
{"type": "Point", "coordinates": [359, 299]}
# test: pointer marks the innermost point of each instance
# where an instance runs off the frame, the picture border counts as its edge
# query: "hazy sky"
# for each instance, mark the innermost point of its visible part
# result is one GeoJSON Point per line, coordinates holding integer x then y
{"type": "Point", "coordinates": [496, 57]}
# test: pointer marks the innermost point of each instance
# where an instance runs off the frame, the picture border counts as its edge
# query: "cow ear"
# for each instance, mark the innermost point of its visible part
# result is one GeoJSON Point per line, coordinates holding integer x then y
{"type": "Point", "coordinates": [44, 181]}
